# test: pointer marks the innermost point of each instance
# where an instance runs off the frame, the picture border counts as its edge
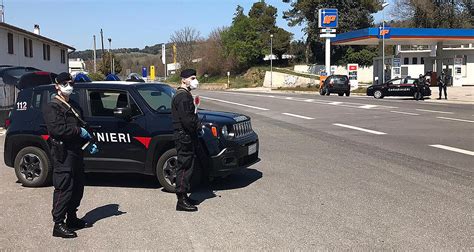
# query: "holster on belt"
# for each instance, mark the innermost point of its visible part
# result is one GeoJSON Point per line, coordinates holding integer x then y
{"type": "Point", "coordinates": [58, 150]}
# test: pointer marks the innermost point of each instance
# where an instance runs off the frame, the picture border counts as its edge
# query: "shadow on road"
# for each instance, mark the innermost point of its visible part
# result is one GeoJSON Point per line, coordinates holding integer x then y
{"type": "Point", "coordinates": [102, 212]}
{"type": "Point", "coordinates": [234, 181]}
{"type": "Point", "coordinates": [122, 180]}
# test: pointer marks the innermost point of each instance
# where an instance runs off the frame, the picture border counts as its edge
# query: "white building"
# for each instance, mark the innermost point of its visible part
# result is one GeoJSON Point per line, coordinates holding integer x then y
{"type": "Point", "coordinates": [20, 47]}
{"type": "Point", "coordinates": [77, 66]}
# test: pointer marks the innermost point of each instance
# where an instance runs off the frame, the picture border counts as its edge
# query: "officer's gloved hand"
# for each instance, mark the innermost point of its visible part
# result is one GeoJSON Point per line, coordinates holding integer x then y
{"type": "Point", "coordinates": [92, 149]}
{"type": "Point", "coordinates": [84, 134]}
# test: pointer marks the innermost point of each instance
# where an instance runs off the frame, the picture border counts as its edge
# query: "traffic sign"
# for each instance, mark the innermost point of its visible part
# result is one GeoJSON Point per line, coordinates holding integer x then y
{"type": "Point", "coordinates": [327, 35]}
{"type": "Point", "coordinates": [328, 30]}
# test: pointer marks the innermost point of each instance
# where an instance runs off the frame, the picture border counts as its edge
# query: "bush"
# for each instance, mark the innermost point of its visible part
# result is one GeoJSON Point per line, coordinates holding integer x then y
{"type": "Point", "coordinates": [96, 76]}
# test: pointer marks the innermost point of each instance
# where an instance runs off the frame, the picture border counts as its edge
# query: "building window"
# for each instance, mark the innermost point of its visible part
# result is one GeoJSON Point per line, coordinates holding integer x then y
{"type": "Point", "coordinates": [28, 46]}
{"type": "Point", "coordinates": [63, 56]}
{"type": "Point", "coordinates": [25, 43]}
{"type": "Point", "coordinates": [10, 43]}
{"type": "Point", "coordinates": [406, 61]}
{"type": "Point", "coordinates": [414, 61]}
{"type": "Point", "coordinates": [46, 52]}
{"type": "Point", "coordinates": [31, 48]}
{"type": "Point", "coordinates": [422, 60]}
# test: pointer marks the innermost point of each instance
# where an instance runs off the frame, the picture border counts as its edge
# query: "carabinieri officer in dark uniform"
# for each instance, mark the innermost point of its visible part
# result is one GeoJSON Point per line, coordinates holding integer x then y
{"type": "Point", "coordinates": [186, 127]}
{"type": "Point", "coordinates": [63, 119]}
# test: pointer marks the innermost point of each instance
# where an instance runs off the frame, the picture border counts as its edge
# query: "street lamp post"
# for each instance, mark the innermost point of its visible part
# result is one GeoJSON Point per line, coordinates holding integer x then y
{"type": "Point", "coordinates": [271, 60]}
{"type": "Point", "coordinates": [383, 41]}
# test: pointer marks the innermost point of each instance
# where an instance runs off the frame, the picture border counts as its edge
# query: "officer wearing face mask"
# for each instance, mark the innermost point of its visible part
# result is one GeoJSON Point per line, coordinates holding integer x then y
{"type": "Point", "coordinates": [63, 118]}
{"type": "Point", "coordinates": [186, 127]}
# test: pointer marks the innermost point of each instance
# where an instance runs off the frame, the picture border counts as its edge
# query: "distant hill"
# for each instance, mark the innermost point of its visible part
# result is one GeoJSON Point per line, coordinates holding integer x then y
{"type": "Point", "coordinates": [155, 50]}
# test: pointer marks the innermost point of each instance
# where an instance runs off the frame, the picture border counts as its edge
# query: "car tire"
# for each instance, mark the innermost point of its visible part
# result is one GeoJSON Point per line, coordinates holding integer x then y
{"type": "Point", "coordinates": [322, 91]}
{"type": "Point", "coordinates": [378, 94]}
{"type": "Point", "coordinates": [348, 93]}
{"type": "Point", "coordinates": [164, 171]}
{"type": "Point", "coordinates": [327, 92]}
{"type": "Point", "coordinates": [33, 167]}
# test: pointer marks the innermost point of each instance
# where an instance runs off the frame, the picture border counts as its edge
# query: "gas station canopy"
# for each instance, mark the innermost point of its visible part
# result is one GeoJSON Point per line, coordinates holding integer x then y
{"type": "Point", "coordinates": [406, 36]}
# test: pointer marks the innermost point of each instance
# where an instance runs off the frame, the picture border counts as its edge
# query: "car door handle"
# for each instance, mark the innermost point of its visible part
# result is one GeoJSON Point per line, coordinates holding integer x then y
{"type": "Point", "coordinates": [95, 126]}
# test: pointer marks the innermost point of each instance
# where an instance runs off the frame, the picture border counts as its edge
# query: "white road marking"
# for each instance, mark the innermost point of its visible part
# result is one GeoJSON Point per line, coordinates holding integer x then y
{"type": "Point", "coordinates": [435, 111]}
{"type": "Point", "coordinates": [235, 103]}
{"type": "Point", "coordinates": [454, 119]}
{"type": "Point", "coordinates": [368, 106]}
{"type": "Point", "coordinates": [299, 116]}
{"type": "Point", "coordinates": [335, 103]}
{"type": "Point", "coordinates": [404, 113]}
{"type": "Point", "coordinates": [289, 98]}
{"type": "Point", "coordinates": [361, 129]}
{"type": "Point", "coordinates": [444, 147]}
{"type": "Point", "coordinates": [309, 100]}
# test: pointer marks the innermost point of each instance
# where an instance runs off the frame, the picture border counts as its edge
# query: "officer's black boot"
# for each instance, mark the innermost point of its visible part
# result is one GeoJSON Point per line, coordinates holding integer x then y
{"type": "Point", "coordinates": [192, 201]}
{"type": "Point", "coordinates": [61, 230]}
{"type": "Point", "coordinates": [76, 223]}
{"type": "Point", "coordinates": [183, 204]}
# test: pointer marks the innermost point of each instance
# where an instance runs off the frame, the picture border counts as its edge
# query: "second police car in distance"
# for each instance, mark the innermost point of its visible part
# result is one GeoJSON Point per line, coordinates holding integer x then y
{"type": "Point", "coordinates": [398, 87]}
{"type": "Point", "coordinates": [132, 124]}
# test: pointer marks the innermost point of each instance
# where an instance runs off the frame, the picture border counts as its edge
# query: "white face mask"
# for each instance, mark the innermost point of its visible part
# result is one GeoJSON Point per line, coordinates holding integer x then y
{"type": "Point", "coordinates": [194, 84]}
{"type": "Point", "coordinates": [67, 90]}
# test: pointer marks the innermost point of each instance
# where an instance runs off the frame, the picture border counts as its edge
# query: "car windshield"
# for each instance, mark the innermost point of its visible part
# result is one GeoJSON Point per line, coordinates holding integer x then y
{"type": "Point", "coordinates": [157, 96]}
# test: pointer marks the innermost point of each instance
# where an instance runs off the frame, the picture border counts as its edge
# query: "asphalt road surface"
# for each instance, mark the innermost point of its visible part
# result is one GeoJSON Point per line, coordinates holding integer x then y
{"type": "Point", "coordinates": [336, 173]}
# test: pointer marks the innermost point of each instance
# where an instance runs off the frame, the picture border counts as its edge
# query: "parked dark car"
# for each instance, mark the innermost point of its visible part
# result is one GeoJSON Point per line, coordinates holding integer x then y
{"type": "Point", "coordinates": [132, 125]}
{"type": "Point", "coordinates": [336, 84]}
{"type": "Point", "coordinates": [398, 87]}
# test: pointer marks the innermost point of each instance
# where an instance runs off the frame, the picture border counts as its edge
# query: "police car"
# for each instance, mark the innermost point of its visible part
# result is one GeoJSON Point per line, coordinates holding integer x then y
{"type": "Point", "coordinates": [397, 87]}
{"type": "Point", "coordinates": [131, 122]}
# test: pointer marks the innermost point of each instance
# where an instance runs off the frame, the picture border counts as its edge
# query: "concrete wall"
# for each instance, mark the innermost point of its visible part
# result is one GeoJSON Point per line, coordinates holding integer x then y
{"type": "Point", "coordinates": [18, 57]}
{"type": "Point", "coordinates": [286, 80]}
{"type": "Point", "coordinates": [365, 74]}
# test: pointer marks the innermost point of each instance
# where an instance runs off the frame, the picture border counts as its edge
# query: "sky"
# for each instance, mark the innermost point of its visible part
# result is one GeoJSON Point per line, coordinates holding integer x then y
{"type": "Point", "coordinates": [129, 23]}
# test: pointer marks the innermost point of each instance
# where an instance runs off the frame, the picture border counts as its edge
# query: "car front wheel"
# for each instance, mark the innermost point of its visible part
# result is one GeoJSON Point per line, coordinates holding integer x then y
{"type": "Point", "coordinates": [378, 94]}
{"type": "Point", "coordinates": [166, 170]}
{"type": "Point", "coordinates": [33, 167]}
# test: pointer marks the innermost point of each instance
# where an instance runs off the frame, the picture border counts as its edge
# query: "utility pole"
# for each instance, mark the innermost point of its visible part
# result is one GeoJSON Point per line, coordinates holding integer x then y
{"type": "Point", "coordinates": [102, 40]}
{"type": "Point", "coordinates": [95, 57]}
{"type": "Point", "coordinates": [110, 54]}
{"type": "Point", "coordinates": [271, 60]}
{"type": "Point", "coordinates": [2, 12]}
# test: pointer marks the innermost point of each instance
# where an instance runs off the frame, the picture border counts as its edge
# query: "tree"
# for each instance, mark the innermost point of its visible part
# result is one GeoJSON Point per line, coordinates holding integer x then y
{"type": "Point", "coordinates": [354, 14]}
{"type": "Point", "coordinates": [362, 57]}
{"type": "Point", "coordinates": [104, 66]}
{"type": "Point", "coordinates": [242, 41]}
{"type": "Point", "coordinates": [186, 40]}
{"type": "Point", "coordinates": [212, 52]}
{"type": "Point", "coordinates": [435, 13]}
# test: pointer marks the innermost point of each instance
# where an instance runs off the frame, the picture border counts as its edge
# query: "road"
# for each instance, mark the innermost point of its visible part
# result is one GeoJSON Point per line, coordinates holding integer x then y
{"type": "Point", "coordinates": [336, 173]}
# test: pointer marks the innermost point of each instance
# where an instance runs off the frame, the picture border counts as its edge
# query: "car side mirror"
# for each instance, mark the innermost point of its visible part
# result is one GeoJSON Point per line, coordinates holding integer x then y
{"type": "Point", "coordinates": [123, 113]}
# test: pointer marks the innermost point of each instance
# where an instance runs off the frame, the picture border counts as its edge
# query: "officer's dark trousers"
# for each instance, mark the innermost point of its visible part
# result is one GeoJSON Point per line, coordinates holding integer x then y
{"type": "Point", "coordinates": [68, 181]}
{"type": "Point", "coordinates": [186, 157]}
{"type": "Point", "coordinates": [441, 88]}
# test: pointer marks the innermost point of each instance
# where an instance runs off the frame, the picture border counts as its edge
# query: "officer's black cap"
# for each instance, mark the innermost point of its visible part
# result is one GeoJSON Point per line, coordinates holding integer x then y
{"type": "Point", "coordinates": [63, 77]}
{"type": "Point", "coordinates": [187, 73]}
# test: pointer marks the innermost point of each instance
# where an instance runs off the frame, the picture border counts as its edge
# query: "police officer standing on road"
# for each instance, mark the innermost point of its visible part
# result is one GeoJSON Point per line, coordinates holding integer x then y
{"type": "Point", "coordinates": [186, 127]}
{"type": "Point", "coordinates": [443, 85]}
{"type": "Point", "coordinates": [67, 136]}
{"type": "Point", "coordinates": [419, 86]}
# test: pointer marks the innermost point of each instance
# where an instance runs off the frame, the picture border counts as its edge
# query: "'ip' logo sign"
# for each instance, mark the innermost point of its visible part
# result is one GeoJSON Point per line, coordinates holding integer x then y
{"type": "Point", "coordinates": [384, 33]}
{"type": "Point", "coordinates": [328, 18]}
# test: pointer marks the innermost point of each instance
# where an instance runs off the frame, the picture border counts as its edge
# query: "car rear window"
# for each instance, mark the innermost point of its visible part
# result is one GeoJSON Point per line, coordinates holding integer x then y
{"type": "Point", "coordinates": [340, 79]}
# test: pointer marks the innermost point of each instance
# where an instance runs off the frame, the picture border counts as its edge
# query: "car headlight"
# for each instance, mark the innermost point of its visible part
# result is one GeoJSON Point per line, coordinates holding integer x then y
{"type": "Point", "coordinates": [225, 132]}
